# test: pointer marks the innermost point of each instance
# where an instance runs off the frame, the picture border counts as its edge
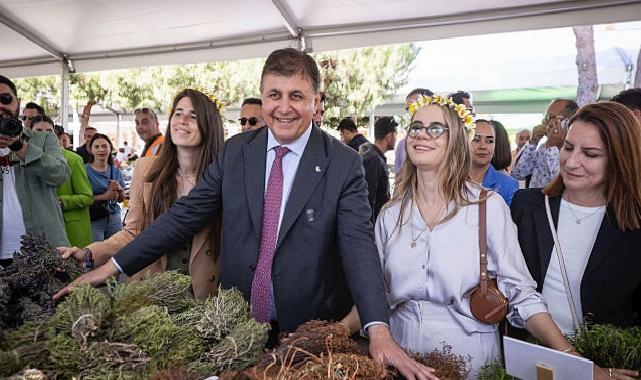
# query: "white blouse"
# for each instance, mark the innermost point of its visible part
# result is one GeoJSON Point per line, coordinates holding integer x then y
{"type": "Point", "coordinates": [444, 264]}
{"type": "Point", "coordinates": [578, 228]}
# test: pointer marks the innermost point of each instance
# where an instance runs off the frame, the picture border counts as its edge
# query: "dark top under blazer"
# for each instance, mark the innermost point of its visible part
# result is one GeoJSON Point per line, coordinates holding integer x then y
{"type": "Point", "coordinates": [325, 251]}
{"type": "Point", "coordinates": [611, 283]}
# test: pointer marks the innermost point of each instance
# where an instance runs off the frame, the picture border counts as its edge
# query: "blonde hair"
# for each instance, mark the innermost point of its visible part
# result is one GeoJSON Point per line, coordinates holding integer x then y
{"type": "Point", "coordinates": [453, 171]}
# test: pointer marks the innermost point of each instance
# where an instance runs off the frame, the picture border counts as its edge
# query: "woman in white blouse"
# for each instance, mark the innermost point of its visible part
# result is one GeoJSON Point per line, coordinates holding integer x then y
{"type": "Point", "coordinates": [427, 237]}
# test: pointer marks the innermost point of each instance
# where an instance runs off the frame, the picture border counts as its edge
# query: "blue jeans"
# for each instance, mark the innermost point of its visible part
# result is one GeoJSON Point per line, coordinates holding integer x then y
{"type": "Point", "coordinates": [103, 228]}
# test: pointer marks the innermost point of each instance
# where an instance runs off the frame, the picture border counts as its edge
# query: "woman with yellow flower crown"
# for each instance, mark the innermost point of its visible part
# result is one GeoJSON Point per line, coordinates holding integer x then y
{"type": "Point", "coordinates": [193, 138]}
{"type": "Point", "coordinates": [429, 245]}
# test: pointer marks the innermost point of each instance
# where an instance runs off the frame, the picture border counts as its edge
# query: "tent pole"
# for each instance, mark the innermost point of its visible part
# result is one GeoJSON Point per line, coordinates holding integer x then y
{"type": "Point", "coordinates": [64, 94]}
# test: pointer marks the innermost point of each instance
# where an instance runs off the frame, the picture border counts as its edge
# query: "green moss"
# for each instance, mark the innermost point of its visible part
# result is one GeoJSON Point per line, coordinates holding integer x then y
{"type": "Point", "coordinates": [609, 347]}
{"type": "Point", "coordinates": [81, 314]}
{"type": "Point", "coordinates": [495, 371]}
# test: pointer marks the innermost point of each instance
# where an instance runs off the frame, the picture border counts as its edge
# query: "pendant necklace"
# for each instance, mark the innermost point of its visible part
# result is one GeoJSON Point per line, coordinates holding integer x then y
{"type": "Point", "coordinates": [414, 239]}
{"type": "Point", "coordinates": [578, 219]}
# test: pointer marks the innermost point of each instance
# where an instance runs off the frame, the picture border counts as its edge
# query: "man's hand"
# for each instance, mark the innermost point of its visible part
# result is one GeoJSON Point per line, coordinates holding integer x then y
{"type": "Point", "coordinates": [556, 136]}
{"type": "Point", "coordinates": [95, 277]}
{"type": "Point", "coordinates": [75, 252]}
{"type": "Point", "coordinates": [5, 140]}
{"type": "Point", "coordinates": [537, 133]}
{"type": "Point", "coordinates": [385, 351]}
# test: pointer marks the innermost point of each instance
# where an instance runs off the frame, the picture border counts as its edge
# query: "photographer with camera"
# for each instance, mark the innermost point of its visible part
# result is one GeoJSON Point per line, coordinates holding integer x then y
{"type": "Point", "coordinates": [32, 168]}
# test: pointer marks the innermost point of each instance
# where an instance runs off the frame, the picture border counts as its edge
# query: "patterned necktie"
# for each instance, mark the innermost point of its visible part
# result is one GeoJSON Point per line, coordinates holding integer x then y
{"type": "Point", "coordinates": [271, 214]}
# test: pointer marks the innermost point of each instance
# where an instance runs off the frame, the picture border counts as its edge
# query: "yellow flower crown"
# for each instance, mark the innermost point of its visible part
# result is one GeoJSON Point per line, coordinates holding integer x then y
{"type": "Point", "coordinates": [210, 94]}
{"type": "Point", "coordinates": [460, 109]}
{"type": "Point", "coordinates": [219, 104]}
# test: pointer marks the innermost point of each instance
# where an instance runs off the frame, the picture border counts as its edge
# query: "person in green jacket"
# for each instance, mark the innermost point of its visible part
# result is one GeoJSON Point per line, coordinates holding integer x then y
{"type": "Point", "coordinates": [32, 167]}
{"type": "Point", "coordinates": [75, 195]}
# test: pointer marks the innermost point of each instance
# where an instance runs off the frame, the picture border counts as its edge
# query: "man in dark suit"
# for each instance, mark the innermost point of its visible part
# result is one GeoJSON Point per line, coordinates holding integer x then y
{"type": "Point", "coordinates": [297, 236]}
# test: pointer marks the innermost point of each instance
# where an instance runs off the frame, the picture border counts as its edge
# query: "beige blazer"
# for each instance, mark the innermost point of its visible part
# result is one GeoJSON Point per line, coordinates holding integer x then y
{"type": "Point", "coordinates": [203, 265]}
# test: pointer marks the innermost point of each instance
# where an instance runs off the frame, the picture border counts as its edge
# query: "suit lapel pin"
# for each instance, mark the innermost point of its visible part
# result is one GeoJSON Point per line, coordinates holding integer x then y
{"type": "Point", "coordinates": [317, 169]}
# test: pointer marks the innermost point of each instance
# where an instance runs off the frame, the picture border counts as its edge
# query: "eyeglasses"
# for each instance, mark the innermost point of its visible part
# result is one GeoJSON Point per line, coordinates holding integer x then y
{"type": "Point", "coordinates": [27, 117]}
{"type": "Point", "coordinates": [549, 117]}
{"type": "Point", "coordinates": [6, 99]}
{"type": "Point", "coordinates": [252, 121]}
{"type": "Point", "coordinates": [434, 130]}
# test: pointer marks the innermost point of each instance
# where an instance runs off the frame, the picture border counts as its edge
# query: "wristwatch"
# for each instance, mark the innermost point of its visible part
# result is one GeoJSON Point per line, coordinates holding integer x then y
{"type": "Point", "coordinates": [88, 264]}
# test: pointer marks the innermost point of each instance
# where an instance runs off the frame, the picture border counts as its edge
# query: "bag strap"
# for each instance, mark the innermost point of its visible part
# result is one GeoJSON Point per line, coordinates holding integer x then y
{"type": "Point", "coordinates": [484, 279]}
{"type": "Point", "coordinates": [564, 274]}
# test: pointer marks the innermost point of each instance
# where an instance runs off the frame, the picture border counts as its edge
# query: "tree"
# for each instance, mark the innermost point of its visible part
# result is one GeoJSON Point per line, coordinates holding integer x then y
{"type": "Point", "coordinates": [586, 65]}
{"type": "Point", "coordinates": [355, 82]}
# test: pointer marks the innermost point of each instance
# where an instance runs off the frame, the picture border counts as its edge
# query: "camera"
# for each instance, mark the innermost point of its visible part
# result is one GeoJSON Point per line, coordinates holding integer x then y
{"type": "Point", "coordinates": [10, 126]}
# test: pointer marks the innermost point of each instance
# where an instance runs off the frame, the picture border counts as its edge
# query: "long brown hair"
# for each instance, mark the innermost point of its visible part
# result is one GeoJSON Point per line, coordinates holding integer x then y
{"type": "Point", "coordinates": [454, 170]}
{"type": "Point", "coordinates": [162, 173]}
{"type": "Point", "coordinates": [620, 131]}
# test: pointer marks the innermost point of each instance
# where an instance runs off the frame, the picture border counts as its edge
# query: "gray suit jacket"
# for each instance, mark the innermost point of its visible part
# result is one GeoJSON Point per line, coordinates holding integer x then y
{"type": "Point", "coordinates": [325, 252]}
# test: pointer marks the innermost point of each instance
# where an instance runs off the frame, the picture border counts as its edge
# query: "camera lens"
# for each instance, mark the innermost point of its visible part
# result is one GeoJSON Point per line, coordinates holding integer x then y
{"type": "Point", "coordinates": [10, 126]}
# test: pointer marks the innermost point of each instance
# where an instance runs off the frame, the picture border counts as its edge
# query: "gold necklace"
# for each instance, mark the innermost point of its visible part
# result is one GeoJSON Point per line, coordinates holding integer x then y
{"type": "Point", "coordinates": [414, 239]}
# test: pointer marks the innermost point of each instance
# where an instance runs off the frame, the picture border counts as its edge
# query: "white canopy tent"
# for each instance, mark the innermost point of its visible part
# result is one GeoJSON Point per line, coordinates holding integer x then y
{"type": "Point", "coordinates": [41, 37]}
{"type": "Point", "coordinates": [91, 35]}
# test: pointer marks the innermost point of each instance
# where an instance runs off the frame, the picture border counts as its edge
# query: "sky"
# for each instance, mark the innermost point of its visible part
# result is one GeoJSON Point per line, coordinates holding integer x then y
{"type": "Point", "coordinates": [521, 59]}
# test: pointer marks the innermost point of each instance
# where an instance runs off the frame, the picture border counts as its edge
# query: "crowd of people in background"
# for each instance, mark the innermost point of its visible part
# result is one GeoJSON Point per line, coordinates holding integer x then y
{"type": "Point", "coordinates": [389, 249]}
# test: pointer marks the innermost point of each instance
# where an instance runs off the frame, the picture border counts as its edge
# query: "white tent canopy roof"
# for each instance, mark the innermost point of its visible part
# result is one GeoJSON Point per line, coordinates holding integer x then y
{"type": "Point", "coordinates": [38, 36]}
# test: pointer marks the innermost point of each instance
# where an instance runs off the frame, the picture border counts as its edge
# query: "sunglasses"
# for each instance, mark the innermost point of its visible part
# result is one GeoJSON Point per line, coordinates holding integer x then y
{"type": "Point", "coordinates": [6, 99]}
{"type": "Point", "coordinates": [252, 121]}
{"type": "Point", "coordinates": [434, 130]}
{"type": "Point", "coordinates": [145, 110]}
{"type": "Point", "coordinates": [26, 117]}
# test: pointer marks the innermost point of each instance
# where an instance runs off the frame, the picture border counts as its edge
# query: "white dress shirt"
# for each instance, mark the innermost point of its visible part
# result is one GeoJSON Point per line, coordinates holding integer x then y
{"type": "Point", "coordinates": [444, 264]}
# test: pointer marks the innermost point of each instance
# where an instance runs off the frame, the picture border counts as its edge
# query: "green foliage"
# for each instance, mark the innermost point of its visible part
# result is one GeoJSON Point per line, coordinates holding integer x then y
{"type": "Point", "coordinates": [609, 347]}
{"type": "Point", "coordinates": [355, 81]}
{"type": "Point", "coordinates": [495, 371]}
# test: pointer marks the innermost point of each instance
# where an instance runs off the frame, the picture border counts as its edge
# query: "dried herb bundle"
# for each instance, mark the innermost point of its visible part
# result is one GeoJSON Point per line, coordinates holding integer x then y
{"type": "Point", "coordinates": [166, 289]}
{"type": "Point", "coordinates": [107, 360]}
{"type": "Point", "coordinates": [152, 329]}
{"type": "Point", "coordinates": [221, 314]}
{"type": "Point", "coordinates": [448, 365]}
{"type": "Point", "coordinates": [132, 331]}
{"type": "Point", "coordinates": [29, 283]}
{"type": "Point", "coordinates": [608, 346]}
{"type": "Point", "coordinates": [340, 367]}
{"type": "Point", "coordinates": [313, 337]}
{"type": "Point", "coordinates": [24, 348]}
{"type": "Point", "coordinates": [81, 314]}
{"type": "Point", "coordinates": [238, 350]}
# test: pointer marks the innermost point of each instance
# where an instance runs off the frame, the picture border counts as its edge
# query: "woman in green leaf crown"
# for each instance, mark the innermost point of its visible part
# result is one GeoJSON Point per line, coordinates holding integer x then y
{"type": "Point", "coordinates": [594, 273]}
{"type": "Point", "coordinates": [193, 139]}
